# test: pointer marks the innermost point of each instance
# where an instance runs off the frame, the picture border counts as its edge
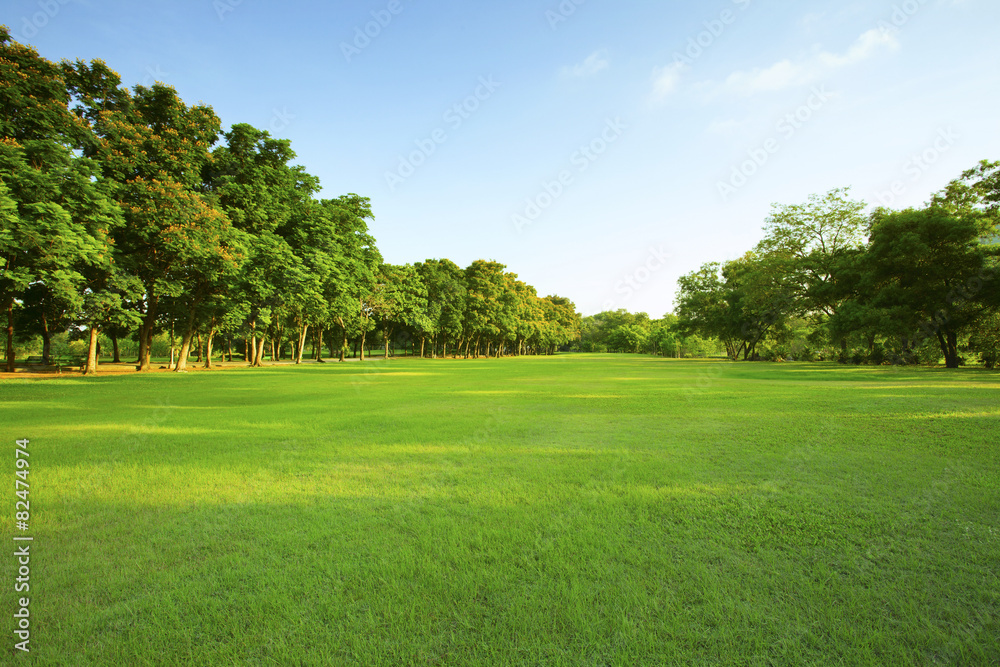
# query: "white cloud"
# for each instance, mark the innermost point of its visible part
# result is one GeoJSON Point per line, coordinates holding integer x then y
{"type": "Point", "coordinates": [594, 63]}
{"type": "Point", "coordinates": [666, 79]}
{"type": "Point", "coordinates": [776, 77]}
{"type": "Point", "coordinates": [787, 73]}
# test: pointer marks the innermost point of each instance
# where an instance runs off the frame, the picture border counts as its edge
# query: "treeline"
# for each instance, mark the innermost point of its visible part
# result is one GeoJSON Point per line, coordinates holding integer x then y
{"type": "Point", "coordinates": [128, 213]}
{"type": "Point", "coordinates": [829, 281]}
{"type": "Point", "coordinates": [620, 331]}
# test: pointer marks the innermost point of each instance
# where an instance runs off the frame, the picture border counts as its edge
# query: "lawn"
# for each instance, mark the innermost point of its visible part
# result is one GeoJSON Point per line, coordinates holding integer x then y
{"type": "Point", "coordinates": [575, 510]}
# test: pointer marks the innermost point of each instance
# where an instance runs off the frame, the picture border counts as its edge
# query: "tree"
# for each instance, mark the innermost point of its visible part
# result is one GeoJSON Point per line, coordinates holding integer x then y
{"type": "Point", "coordinates": [702, 307]}
{"type": "Point", "coordinates": [446, 303]}
{"type": "Point", "coordinates": [930, 270]}
{"type": "Point", "coordinates": [485, 283]}
{"type": "Point", "coordinates": [360, 260]}
{"type": "Point", "coordinates": [978, 189]}
{"type": "Point", "coordinates": [106, 305]}
{"type": "Point", "coordinates": [398, 299]}
{"type": "Point", "coordinates": [739, 303]}
{"type": "Point", "coordinates": [56, 223]}
{"type": "Point", "coordinates": [985, 339]}
{"type": "Point", "coordinates": [809, 238]}
{"type": "Point", "coordinates": [54, 217]}
{"type": "Point", "coordinates": [313, 236]}
{"type": "Point", "coordinates": [152, 149]}
{"type": "Point", "coordinates": [260, 191]}
{"type": "Point", "coordinates": [563, 320]}
{"type": "Point", "coordinates": [630, 338]}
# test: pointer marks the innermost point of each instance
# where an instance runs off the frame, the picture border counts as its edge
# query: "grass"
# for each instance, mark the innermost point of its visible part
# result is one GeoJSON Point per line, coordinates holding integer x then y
{"type": "Point", "coordinates": [577, 510]}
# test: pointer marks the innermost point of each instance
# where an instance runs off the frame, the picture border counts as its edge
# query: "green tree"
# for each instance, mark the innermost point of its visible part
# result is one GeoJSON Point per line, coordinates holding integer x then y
{"type": "Point", "coordinates": [251, 177]}
{"type": "Point", "coordinates": [152, 149]}
{"type": "Point", "coordinates": [398, 300]}
{"type": "Point", "coordinates": [446, 303]}
{"type": "Point", "coordinates": [56, 224]}
{"type": "Point", "coordinates": [930, 271]}
{"type": "Point", "coordinates": [809, 240]}
{"type": "Point", "coordinates": [739, 303]}
{"type": "Point", "coordinates": [360, 259]}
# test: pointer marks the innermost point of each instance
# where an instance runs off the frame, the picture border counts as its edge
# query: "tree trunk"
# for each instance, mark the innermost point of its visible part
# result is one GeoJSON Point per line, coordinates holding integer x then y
{"type": "Point", "coordinates": [260, 353]}
{"type": "Point", "coordinates": [91, 366]}
{"type": "Point", "coordinates": [182, 358]}
{"type": "Point", "coordinates": [256, 347]}
{"type": "Point", "coordinates": [149, 345]}
{"type": "Point", "coordinates": [319, 343]}
{"type": "Point", "coordinates": [208, 346]}
{"type": "Point", "coordinates": [172, 358]}
{"type": "Point", "coordinates": [363, 335]}
{"type": "Point", "coordinates": [146, 335]}
{"type": "Point", "coordinates": [199, 359]}
{"type": "Point", "coordinates": [189, 333]}
{"type": "Point", "coordinates": [949, 346]}
{"type": "Point", "coordinates": [10, 335]}
{"type": "Point", "coordinates": [144, 331]}
{"type": "Point", "coordinates": [114, 345]}
{"type": "Point", "coordinates": [422, 339]}
{"type": "Point", "coordinates": [303, 330]}
{"type": "Point", "coordinates": [46, 341]}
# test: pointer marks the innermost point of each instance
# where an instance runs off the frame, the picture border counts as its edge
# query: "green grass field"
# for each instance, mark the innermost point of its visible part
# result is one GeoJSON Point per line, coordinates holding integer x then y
{"type": "Point", "coordinates": [576, 510]}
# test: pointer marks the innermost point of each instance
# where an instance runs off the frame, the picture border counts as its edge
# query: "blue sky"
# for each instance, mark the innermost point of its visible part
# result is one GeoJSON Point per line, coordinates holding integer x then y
{"type": "Point", "coordinates": [598, 149]}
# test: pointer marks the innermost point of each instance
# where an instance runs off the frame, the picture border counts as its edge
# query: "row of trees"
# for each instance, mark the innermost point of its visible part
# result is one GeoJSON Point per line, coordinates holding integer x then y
{"type": "Point", "coordinates": [635, 333]}
{"type": "Point", "coordinates": [128, 212]}
{"type": "Point", "coordinates": [830, 281]}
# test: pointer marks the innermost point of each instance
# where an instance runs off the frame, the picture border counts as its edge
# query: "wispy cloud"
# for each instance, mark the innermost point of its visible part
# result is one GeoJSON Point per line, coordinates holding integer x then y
{"type": "Point", "coordinates": [666, 80]}
{"type": "Point", "coordinates": [809, 69]}
{"type": "Point", "coordinates": [596, 62]}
